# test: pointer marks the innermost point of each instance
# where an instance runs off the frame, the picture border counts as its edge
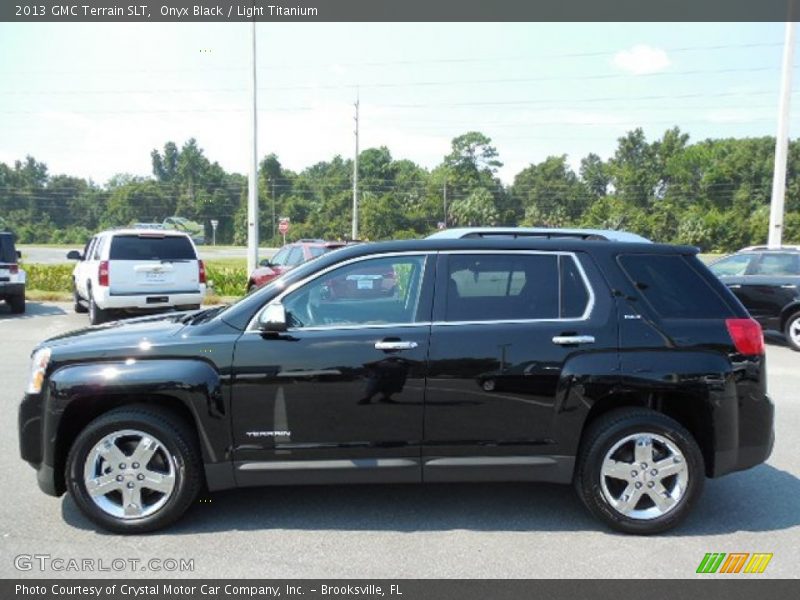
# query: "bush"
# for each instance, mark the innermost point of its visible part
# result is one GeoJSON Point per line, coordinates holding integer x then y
{"type": "Point", "coordinates": [49, 278]}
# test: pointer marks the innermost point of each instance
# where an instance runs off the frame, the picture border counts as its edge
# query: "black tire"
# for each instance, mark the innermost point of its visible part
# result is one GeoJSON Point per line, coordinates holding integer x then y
{"type": "Point", "coordinates": [17, 304]}
{"type": "Point", "coordinates": [97, 316]}
{"type": "Point", "coordinates": [791, 330]}
{"type": "Point", "coordinates": [611, 429]}
{"type": "Point", "coordinates": [180, 443]}
{"type": "Point", "coordinates": [76, 301]}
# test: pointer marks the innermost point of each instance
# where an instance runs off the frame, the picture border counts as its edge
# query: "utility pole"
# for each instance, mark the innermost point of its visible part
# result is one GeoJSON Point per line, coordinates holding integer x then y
{"type": "Point", "coordinates": [272, 183]}
{"type": "Point", "coordinates": [354, 233]}
{"type": "Point", "coordinates": [782, 142]}
{"type": "Point", "coordinates": [252, 188]}
{"type": "Point", "coordinates": [444, 201]}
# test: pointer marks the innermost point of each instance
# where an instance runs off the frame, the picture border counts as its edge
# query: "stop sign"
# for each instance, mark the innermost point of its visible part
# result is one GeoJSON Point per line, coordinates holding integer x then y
{"type": "Point", "coordinates": [283, 226]}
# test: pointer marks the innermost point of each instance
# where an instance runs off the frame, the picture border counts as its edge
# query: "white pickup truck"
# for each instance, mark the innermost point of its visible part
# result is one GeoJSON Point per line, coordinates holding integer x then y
{"type": "Point", "coordinates": [139, 271]}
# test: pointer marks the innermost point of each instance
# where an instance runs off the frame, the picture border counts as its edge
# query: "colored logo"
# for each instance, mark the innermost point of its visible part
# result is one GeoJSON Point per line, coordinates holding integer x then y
{"type": "Point", "coordinates": [735, 562]}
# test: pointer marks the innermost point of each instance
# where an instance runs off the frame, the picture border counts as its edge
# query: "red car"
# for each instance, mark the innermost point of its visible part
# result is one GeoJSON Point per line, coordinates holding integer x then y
{"type": "Point", "coordinates": [288, 258]}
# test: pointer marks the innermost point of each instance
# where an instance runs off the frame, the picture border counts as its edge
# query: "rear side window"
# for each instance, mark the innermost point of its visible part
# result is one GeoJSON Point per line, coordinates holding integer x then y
{"type": "Point", "coordinates": [7, 252]}
{"type": "Point", "coordinates": [673, 287]}
{"type": "Point", "coordinates": [781, 265]}
{"type": "Point", "coordinates": [317, 251]}
{"type": "Point", "coordinates": [499, 287]}
{"type": "Point", "coordinates": [135, 247]}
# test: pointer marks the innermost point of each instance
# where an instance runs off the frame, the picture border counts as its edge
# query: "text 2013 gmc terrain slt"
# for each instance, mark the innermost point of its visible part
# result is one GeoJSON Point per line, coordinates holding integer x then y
{"type": "Point", "coordinates": [624, 368]}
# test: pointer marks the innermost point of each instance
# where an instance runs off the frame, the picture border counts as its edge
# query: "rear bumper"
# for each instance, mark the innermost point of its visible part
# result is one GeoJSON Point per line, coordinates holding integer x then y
{"type": "Point", "coordinates": [149, 300]}
{"type": "Point", "coordinates": [8, 289]}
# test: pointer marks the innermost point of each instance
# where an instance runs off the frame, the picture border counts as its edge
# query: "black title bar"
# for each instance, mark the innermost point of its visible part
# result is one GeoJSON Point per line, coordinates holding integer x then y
{"type": "Point", "coordinates": [397, 10]}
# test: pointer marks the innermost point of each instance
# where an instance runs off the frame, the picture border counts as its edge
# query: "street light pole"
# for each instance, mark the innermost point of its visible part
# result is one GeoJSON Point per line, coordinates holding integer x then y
{"type": "Point", "coordinates": [781, 143]}
{"type": "Point", "coordinates": [252, 187]}
{"type": "Point", "coordinates": [354, 233]}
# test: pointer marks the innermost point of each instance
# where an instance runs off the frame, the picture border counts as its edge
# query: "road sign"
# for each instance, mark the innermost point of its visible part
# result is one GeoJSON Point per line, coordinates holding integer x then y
{"type": "Point", "coordinates": [214, 223]}
{"type": "Point", "coordinates": [283, 226]}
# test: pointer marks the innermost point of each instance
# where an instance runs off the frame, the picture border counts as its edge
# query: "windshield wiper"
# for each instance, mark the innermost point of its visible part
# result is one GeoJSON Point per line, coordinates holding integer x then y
{"type": "Point", "coordinates": [203, 315]}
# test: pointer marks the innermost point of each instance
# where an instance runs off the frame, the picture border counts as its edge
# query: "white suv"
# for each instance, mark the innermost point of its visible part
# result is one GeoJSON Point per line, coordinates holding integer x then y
{"type": "Point", "coordinates": [137, 270]}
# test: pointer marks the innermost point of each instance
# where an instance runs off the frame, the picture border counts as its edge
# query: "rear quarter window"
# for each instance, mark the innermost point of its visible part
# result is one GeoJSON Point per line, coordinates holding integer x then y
{"type": "Point", "coordinates": [673, 287]}
{"type": "Point", "coordinates": [136, 247]}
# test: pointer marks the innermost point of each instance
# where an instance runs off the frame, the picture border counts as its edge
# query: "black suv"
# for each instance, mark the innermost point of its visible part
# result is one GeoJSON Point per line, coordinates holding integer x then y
{"type": "Point", "coordinates": [627, 369]}
{"type": "Point", "coordinates": [12, 278]}
{"type": "Point", "coordinates": [767, 281]}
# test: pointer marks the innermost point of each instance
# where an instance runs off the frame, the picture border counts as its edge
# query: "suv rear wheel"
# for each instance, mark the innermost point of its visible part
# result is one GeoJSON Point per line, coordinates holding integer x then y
{"type": "Point", "coordinates": [639, 471]}
{"type": "Point", "coordinates": [97, 315]}
{"type": "Point", "coordinates": [134, 469]}
{"type": "Point", "coordinates": [792, 331]}
{"type": "Point", "coordinates": [17, 303]}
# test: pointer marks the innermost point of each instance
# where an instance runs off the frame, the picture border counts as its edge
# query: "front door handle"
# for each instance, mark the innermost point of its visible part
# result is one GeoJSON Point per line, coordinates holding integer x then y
{"type": "Point", "coordinates": [571, 340]}
{"type": "Point", "coordinates": [735, 286]}
{"type": "Point", "coordinates": [394, 345]}
{"type": "Point", "coordinates": [789, 286]}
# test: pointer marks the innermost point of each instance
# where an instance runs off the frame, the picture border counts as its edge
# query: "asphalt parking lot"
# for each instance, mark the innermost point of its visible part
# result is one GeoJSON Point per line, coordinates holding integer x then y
{"type": "Point", "coordinates": [446, 530]}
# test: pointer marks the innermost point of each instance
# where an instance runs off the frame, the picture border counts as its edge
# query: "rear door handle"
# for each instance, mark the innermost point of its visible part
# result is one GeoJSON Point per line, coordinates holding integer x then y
{"type": "Point", "coordinates": [395, 345]}
{"type": "Point", "coordinates": [570, 340]}
{"type": "Point", "coordinates": [735, 286]}
{"type": "Point", "coordinates": [789, 286]}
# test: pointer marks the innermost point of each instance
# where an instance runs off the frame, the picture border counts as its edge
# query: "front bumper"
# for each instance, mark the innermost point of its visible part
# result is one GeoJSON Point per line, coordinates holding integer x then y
{"type": "Point", "coordinates": [31, 436]}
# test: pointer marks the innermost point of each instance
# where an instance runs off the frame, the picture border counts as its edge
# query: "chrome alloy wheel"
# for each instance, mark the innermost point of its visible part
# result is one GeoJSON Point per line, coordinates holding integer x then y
{"type": "Point", "coordinates": [644, 476]}
{"type": "Point", "coordinates": [129, 474]}
{"type": "Point", "coordinates": [794, 331]}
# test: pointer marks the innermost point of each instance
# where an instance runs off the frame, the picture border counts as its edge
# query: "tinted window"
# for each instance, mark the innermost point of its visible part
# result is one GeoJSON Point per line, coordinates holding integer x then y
{"type": "Point", "coordinates": [733, 266]}
{"type": "Point", "coordinates": [574, 295]}
{"type": "Point", "coordinates": [786, 265]}
{"type": "Point", "coordinates": [317, 251]}
{"type": "Point", "coordinates": [493, 287]}
{"type": "Point", "coordinates": [98, 248]}
{"type": "Point", "coordinates": [672, 287]}
{"type": "Point", "coordinates": [134, 247]}
{"type": "Point", "coordinates": [8, 253]}
{"type": "Point", "coordinates": [369, 292]}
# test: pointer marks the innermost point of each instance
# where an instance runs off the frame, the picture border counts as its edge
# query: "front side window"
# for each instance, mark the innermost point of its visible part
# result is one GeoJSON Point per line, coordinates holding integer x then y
{"type": "Point", "coordinates": [280, 258]}
{"type": "Point", "coordinates": [733, 266]}
{"type": "Point", "coordinates": [375, 291]}
{"type": "Point", "coordinates": [780, 265]}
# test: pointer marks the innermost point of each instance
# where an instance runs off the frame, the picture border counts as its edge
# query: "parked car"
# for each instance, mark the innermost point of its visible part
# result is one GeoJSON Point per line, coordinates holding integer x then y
{"type": "Point", "coordinates": [12, 277]}
{"type": "Point", "coordinates": [287, 258]}
{"type": "Point", "coordinates": [137, 271]}
{"type": "Point", "coordinates": [626, 369]}
{"type": "Point", "coordinates": [767, 281]}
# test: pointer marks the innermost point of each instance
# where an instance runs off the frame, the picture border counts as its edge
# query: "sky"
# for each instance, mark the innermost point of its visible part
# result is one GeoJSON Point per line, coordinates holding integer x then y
{"type": "Point", "coordinates": [94, 99]}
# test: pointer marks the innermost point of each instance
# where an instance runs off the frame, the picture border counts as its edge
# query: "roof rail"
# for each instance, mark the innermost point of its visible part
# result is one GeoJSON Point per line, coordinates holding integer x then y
{"type": "Point", "coordinates": [779, 248]}
{"type": "Point", "coordinates": [609, 235]}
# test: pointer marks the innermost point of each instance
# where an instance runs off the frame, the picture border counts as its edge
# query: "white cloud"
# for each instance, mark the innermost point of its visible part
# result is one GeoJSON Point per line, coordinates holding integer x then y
{"type": "Point", "coordinates": [642, 59]}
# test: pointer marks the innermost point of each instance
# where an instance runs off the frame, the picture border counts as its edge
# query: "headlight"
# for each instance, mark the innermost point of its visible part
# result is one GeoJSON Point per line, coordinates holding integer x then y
{"type": "Point", "coordinates": [38, 367]}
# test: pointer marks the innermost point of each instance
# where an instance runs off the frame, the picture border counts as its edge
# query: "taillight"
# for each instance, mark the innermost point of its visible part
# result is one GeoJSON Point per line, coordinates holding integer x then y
{"type": "Point", "coordinates": [102, 273]}
{"type": "Point", "coordinates": [747, 335]}
{"type": "Point", "coordinates": [201, 267]}
{"type": "Point", "coordinates": [13, 269]}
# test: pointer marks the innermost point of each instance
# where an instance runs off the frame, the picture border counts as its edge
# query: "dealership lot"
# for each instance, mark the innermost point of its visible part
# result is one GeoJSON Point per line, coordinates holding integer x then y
{"type": "Point", "coordinates": [479, 530]}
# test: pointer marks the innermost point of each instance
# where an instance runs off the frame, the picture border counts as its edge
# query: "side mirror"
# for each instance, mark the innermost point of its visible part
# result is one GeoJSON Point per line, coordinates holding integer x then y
{"type": "Point", "coordinates": [264, 263]}
{"type": "Point", "coordinates": [19, 254]}
{"type": "Point", "coordinates": [273, 319]}
{"type": "Point", "coordinates": [74, 255]}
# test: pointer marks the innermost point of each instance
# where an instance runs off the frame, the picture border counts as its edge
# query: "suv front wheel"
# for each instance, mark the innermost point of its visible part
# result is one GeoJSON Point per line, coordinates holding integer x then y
{"type": "Point", "coordinates": [134, 469]}
{"type": "Point", "coordinates": [639, 471]}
